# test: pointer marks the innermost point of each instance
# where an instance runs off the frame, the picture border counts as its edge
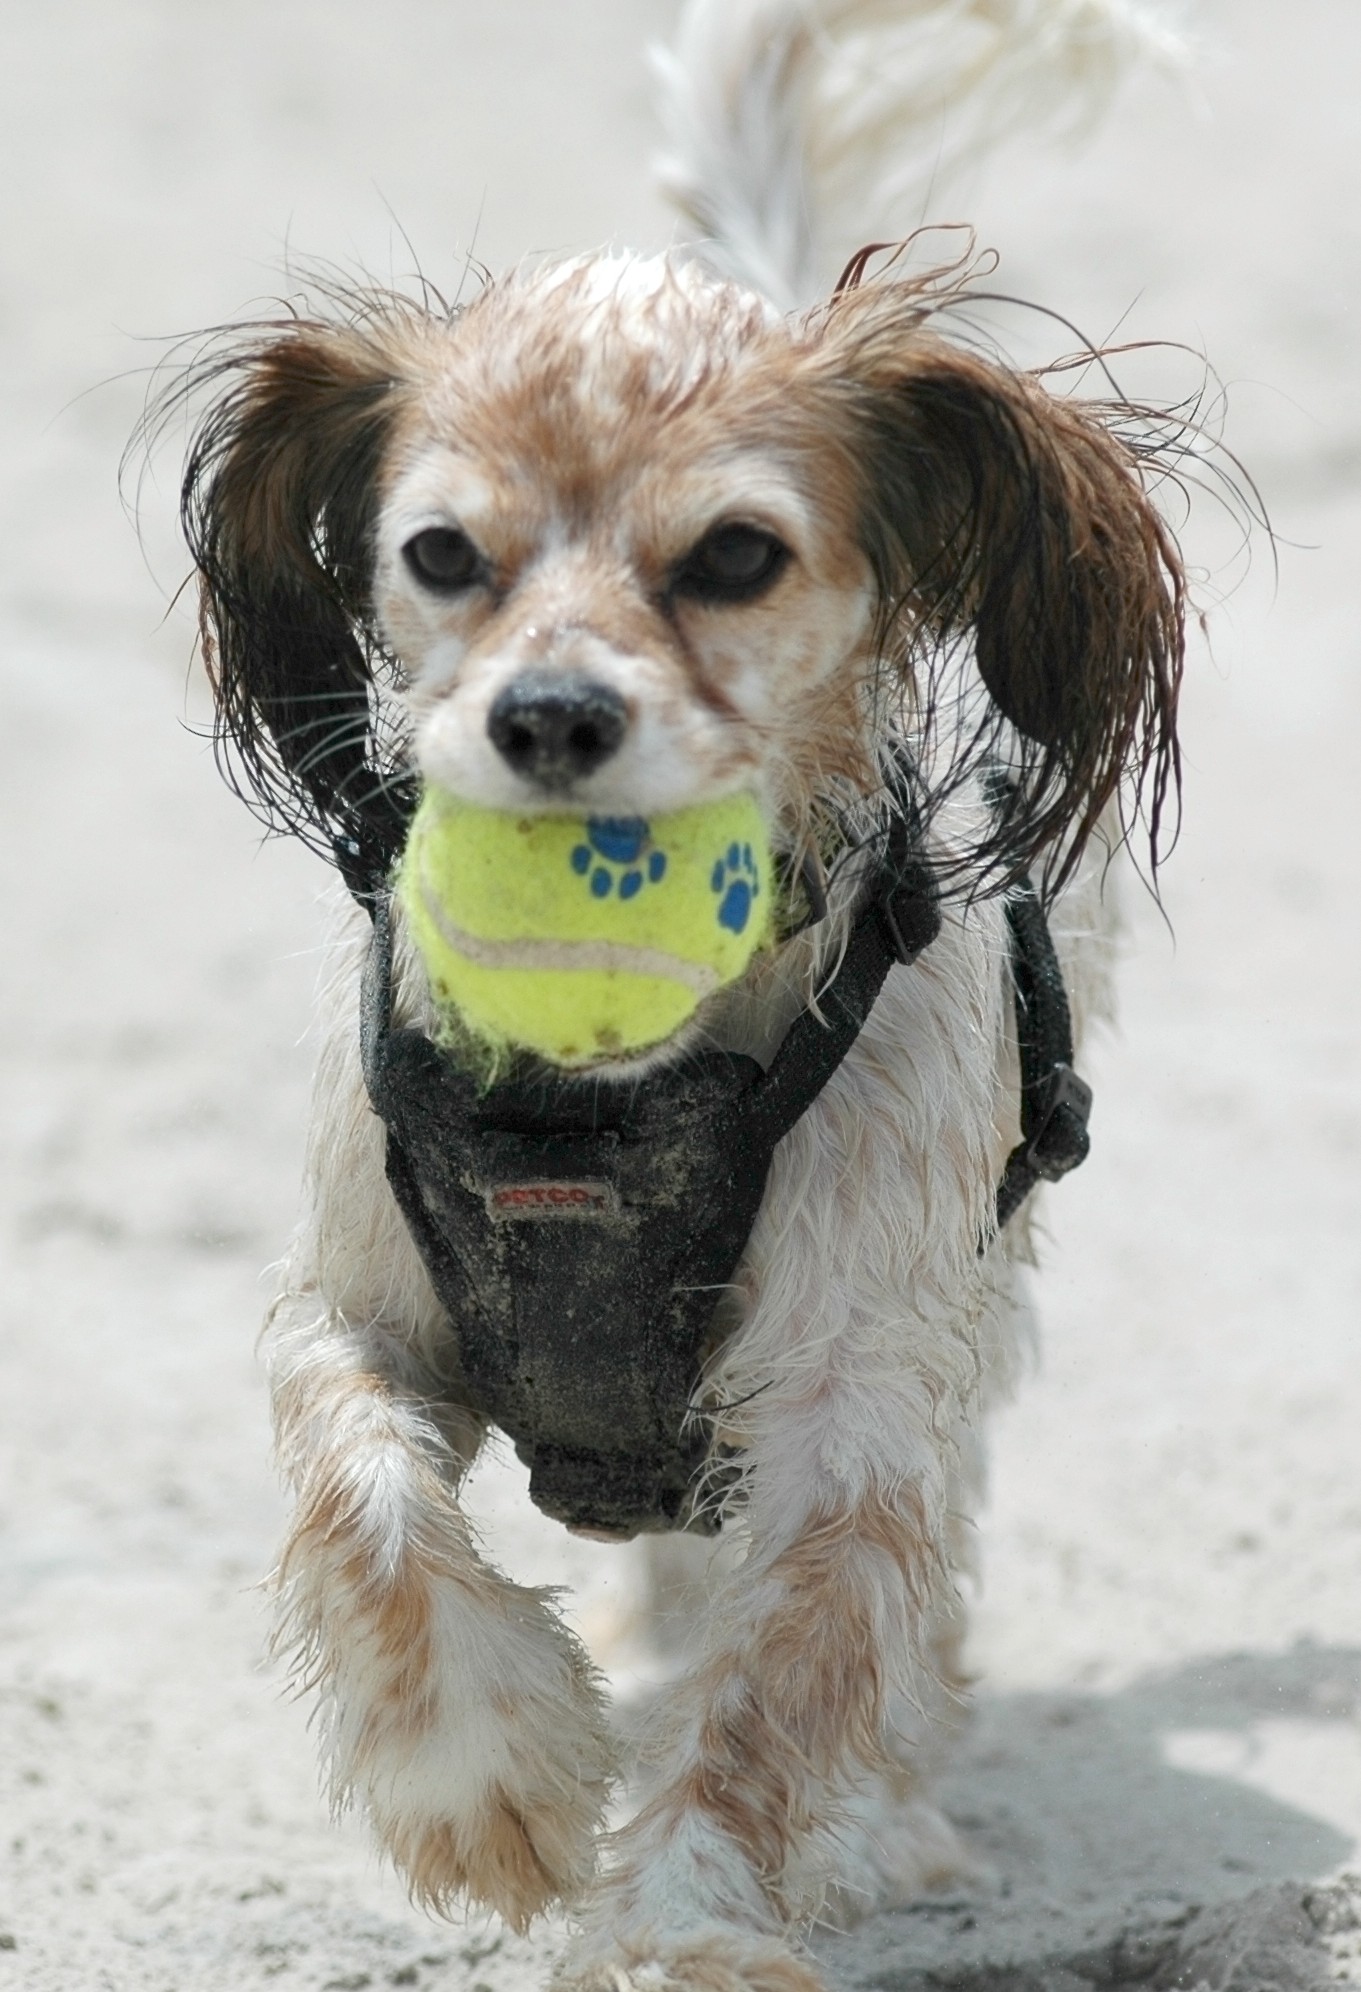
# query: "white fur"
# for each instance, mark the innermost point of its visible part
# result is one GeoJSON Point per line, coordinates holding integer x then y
{"type": "Point", "coordinates": [799, 129]}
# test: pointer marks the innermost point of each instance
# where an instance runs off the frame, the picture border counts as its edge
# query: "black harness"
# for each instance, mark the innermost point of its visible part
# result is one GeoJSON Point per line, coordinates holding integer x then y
{"type": "Point", "coordinates": [582, 1231]}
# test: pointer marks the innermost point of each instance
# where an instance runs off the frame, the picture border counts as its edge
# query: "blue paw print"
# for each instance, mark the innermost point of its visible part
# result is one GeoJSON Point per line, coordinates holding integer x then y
{"type": "Point", "coordinates": [735, 880]}
{"type": "Point", "coordinates": [616, 858]}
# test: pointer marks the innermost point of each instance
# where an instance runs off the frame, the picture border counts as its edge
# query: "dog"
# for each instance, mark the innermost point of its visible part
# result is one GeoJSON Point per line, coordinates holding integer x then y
{"type": "Point", "coordinates": [624, 534]}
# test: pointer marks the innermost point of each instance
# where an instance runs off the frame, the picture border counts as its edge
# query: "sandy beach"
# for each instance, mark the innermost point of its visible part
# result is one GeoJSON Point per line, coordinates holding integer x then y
{"type": "Point", "coordinates": [1162, 1778]}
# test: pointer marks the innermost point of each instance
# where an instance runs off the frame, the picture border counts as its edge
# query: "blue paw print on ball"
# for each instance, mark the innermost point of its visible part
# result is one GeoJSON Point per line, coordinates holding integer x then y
{"type": "Point", "coordinates": [734, 879]}
{"type": "Point", "coordinates": [615, 857]}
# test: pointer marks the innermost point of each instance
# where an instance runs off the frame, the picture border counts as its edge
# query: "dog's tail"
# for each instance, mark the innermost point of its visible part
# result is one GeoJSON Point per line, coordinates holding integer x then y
{"type": "Point", "coordinates": [798, 129]}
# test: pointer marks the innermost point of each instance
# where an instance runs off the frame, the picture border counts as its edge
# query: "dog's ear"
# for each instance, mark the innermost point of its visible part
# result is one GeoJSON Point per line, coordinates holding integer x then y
{"type": "Point", "coordinates": [278, 507]}
{"type": "Point", "coordinates": [994, 509]}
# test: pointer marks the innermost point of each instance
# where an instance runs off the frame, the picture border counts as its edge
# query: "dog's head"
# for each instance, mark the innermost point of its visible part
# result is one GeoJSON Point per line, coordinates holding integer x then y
{"type": "Point", "coordinates": [618, 538]}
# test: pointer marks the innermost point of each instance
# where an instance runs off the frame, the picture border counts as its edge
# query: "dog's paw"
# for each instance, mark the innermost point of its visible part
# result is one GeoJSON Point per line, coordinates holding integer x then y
{"type": "Point", "coordinates": [889, 1851]}
{"type": "Point", "coordinates": [516, 1855]}
{"type": "Point", "coordinates": [483, 1764]}
{"type": "Point", "coordinates": [506, 1807]}
{"type": "Point", "coordinates": [718, 1960]}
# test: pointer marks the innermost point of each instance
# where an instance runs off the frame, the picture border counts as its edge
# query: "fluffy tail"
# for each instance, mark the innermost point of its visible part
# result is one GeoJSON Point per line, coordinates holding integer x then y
{"type": "Point", "coordinates": [799, 129]}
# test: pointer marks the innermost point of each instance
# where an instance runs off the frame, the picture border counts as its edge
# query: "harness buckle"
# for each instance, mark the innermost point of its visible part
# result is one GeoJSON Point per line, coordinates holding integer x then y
{"type": "Point", "coordinates": [911, 911]}
{"type": "Point", "coordinates": [1059, 1139]}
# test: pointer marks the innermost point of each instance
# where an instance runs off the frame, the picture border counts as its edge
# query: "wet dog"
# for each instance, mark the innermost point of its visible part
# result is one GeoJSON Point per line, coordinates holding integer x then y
{"type": "Point", "coordinates": [779, 539]}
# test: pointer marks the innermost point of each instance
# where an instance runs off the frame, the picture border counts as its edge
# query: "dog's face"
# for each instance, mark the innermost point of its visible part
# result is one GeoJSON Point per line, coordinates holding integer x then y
{"type": "Point", "coordinates": [614, 554]}
{"type": "Point", "coordinates": [630, 540]}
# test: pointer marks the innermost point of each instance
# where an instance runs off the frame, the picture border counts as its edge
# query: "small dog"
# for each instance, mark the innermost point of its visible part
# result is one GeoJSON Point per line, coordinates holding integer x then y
{"type": "Point", "coordinates": [622, 535]}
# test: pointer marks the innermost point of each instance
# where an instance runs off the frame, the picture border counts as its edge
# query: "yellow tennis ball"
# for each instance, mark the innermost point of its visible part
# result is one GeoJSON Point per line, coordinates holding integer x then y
{"type": "Point", "coordinates": [584, 937]}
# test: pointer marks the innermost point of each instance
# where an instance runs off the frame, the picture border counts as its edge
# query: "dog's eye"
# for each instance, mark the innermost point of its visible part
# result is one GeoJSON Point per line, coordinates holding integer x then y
{"type": "Point", "coordinates": [444, 558]}
{"type": "Point", "coordinates": [731, 564]}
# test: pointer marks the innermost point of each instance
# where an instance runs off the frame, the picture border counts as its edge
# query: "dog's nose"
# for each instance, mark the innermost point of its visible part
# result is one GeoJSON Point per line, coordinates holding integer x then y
{"type": "Point", "coordinates": [554, 729]}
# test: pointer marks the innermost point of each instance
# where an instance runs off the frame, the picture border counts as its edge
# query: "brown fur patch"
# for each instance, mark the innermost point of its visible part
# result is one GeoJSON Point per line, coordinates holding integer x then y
{"type": "Point", "coordinates": [391, 1597]}
{"type": "Point", "coordinates": [804, 1701]}
{"type": "Point", "coordinates": [516, 1864]}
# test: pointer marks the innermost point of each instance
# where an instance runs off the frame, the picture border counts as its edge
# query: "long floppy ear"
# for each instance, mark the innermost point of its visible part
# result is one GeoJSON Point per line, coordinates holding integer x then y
{"type": "Point", "coordinates": [992, 508]}
{"type": "Point", "coordinates": [278, 507]}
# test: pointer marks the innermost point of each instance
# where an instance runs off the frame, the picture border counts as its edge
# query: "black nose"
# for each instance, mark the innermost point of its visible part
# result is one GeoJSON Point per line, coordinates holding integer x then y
{"type": "Point", "coordinates": [554, 729]}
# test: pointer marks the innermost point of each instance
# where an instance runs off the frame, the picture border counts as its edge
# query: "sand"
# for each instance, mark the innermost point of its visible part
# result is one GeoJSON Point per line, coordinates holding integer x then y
{"type": "Point", "coordinates": [1163, 1777]}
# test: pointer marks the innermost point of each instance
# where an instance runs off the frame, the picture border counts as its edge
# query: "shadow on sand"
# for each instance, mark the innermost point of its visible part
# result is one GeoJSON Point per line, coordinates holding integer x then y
{"type": "Point", "coordinates": [1121, 1833]}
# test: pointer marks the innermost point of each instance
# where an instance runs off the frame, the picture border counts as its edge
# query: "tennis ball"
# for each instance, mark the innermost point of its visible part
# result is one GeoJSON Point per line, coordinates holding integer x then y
{"type": "Point", "coordinates": [583, 937]}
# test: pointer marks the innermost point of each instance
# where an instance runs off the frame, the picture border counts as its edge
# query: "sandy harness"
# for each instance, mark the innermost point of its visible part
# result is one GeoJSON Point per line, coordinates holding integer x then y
{"type": "Point", "coordinates": [581, 1232]}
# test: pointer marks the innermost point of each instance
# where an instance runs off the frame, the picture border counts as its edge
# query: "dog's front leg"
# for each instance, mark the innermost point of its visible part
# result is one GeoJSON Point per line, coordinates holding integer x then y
{"type": "Point", "coordinates": [457, 1707]}
{"type": "Point", "coordinates": [807, 1641]}
{"type": "Point", "coordinates": [848, 1387]}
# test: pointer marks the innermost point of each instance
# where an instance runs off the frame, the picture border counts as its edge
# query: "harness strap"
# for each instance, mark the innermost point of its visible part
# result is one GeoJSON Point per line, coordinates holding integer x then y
{"type": "Point", "coordinates": [1055, 1103]}
{"type": "Point", "coordinates": [898, 921]}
